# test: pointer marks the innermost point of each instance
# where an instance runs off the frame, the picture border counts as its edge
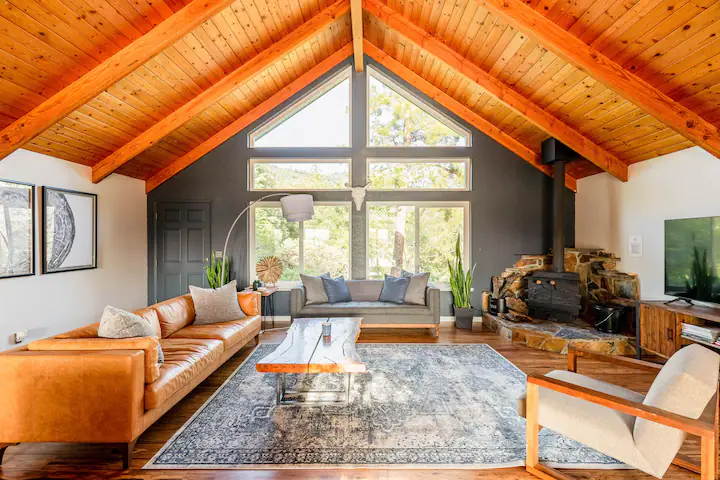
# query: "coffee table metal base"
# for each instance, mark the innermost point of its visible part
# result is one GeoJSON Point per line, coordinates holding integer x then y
{"type": "Point", "coordinates": [300, 396]}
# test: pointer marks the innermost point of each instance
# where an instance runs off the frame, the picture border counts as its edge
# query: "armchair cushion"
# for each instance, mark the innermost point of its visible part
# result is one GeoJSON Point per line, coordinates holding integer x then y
{"type": "Point", "coordinates": [685, 386]}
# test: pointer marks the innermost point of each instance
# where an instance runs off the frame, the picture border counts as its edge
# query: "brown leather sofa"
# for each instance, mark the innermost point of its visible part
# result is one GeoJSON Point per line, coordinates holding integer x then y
{"type": "Point", "coordinates": [78, 388]}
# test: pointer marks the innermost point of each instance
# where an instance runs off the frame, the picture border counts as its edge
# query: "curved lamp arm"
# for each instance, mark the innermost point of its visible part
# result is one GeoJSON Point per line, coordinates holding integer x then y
{"type": "Point", "coordinates": [227, 239]}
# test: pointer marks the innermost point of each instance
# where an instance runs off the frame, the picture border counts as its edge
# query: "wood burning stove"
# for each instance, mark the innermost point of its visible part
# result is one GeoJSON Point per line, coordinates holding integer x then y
{"type": "Point", "coordinates": [555, 295]}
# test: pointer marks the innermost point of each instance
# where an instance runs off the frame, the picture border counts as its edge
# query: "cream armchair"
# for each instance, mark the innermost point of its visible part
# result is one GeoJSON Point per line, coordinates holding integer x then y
{"type": "Point", "coordinates": [643, 431]}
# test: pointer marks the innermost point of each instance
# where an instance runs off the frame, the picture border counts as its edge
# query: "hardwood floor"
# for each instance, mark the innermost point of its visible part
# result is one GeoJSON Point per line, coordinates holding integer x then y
{"type": "Point", "coordinates": [66, 461]}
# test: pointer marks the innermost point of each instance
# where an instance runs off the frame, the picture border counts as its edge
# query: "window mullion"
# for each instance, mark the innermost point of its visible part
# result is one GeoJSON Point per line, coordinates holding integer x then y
{"type": "Point", "coordinates": [417, 239]}
{"type": "Point", "coordinates": [301, 250]}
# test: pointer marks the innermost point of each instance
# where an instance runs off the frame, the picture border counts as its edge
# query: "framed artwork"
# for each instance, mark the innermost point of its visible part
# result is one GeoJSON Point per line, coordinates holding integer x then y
{"type": "Point", "coordinates": [69, 230]}
{"type": "Point", "coordinates": [17, 229]}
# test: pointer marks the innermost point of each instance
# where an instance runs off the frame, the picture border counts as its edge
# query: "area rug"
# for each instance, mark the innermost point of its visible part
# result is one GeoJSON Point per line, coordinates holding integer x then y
{"type": "Point", "coordinates": [419, 406]}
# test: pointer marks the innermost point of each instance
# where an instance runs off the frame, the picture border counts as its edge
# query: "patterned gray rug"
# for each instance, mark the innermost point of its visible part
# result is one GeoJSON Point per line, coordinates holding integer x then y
{"type": "Point", "coordinates": [418, 406]}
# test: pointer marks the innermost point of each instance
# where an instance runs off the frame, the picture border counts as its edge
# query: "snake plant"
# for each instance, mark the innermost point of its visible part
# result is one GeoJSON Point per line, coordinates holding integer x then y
{"type": "Point", "coordinates": [460, 281]}
{"type": "Point", "coordinates": [214, 271]}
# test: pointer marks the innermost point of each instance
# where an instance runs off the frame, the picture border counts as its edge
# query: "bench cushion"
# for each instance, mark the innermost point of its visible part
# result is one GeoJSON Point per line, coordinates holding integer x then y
{"type": "Point", "coordinates": [361, 308]}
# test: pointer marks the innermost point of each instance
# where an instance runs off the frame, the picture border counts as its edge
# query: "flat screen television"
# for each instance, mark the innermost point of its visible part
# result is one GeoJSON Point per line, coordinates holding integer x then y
{"type": "Point", "coordinates": [692, 259]}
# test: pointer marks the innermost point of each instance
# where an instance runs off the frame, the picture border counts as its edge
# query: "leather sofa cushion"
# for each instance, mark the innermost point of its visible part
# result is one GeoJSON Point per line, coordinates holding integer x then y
{"type": "Point", "coordinates": [185, 358]}
{"type": "Point", "coordinates": [250, 303]}
{"type": "Point", "coordinates": [174, 314]}
{"type": "Point", "coordinates": [231, 333]}
{"type": "Point", "coordinates": [151, 315]}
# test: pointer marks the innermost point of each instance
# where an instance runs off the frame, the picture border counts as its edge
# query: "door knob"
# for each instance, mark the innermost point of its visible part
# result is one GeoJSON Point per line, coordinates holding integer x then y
{"type": "Point", "coordinates": [206, 259]}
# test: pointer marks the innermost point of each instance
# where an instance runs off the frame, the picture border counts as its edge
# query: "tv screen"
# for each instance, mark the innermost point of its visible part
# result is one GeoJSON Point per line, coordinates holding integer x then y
{"type": "Point", "coordinates": [692, 258]}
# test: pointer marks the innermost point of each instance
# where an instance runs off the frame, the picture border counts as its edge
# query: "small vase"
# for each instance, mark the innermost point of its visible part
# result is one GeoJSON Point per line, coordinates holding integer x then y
{"type": "Point", "coordinates": [463, 317]}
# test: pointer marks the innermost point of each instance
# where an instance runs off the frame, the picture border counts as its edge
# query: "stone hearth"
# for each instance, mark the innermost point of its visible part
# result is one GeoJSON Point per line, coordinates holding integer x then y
{"type": "Point", "coordinates": [556, 337]}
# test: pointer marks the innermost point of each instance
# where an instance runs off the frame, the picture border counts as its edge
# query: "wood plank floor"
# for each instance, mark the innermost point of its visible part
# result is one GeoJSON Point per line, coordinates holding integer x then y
{"type": "Point", "coordinates": [28, 461]}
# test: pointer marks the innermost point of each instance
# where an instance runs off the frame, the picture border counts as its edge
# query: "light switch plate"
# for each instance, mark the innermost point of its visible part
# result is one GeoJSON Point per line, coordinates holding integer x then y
{"type": "Point", "coordinates": [20, 336]}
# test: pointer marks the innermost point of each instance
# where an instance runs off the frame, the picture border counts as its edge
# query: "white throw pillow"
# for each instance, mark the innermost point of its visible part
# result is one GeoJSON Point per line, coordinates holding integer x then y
{"type": "Point", "coordinates": [117, 323]}
{"type": "Point", "coordinates": [214, 305]}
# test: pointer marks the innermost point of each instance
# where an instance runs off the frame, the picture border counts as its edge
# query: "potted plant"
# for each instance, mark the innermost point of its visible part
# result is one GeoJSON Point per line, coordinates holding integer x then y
{"type": "Point", "coordinates": [461, 286]}
{"type": "Point", "coordinates": [214, 270]}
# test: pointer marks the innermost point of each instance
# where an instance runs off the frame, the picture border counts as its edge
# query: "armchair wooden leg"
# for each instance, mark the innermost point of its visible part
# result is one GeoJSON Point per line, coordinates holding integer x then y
{"type": "Point", "coordinates": [533, 428]}
{"type": "Point", "coordinates": [708, 458]}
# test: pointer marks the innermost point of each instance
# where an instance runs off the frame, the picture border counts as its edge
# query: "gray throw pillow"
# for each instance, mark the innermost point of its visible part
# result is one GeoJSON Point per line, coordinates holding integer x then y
{"type": "Point", "coordinates": [314, 289]}
{"type": "Point", "coordinates": [336, 289]}
{"type": "Point", "coordinates": [416, 290]}
{"type": "Point", "coordinates": [117, 323]}
{"type": "Point", "coordinates": [214, 305]}
{"type": "Point", "coordinates": [394, 289]}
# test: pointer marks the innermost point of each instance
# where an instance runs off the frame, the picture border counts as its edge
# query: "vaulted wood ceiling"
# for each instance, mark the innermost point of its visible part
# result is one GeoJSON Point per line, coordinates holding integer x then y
{"type": "Point", "coordinates": [144, 88]}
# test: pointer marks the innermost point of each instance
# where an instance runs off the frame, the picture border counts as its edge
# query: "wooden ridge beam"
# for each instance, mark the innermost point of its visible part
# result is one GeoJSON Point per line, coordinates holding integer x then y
{"type": "Point", "coordinates": [591, 61]}
{"type": "Point", "coordinates": [505, 93]}
{"type": "Point", "coordinates": [251, 116]}
{"type": "Point", "coordinates": [523, 151]}
{"type": "Point", "coordinates": [357, 33]}
{"type": "Point", "coordinates": [226, 85]}
{"type": "Point", "coordinates": [122, 63]}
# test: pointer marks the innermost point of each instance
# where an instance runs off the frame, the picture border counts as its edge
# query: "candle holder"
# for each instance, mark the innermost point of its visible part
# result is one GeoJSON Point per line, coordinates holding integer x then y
{"type": "Point", "coordinates": [326, 331]}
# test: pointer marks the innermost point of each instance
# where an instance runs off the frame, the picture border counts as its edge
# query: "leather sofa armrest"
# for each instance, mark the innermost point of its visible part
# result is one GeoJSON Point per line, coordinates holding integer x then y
{"type": "Point", "coordinates": [149, 345]}
{"type": "Point", "coordinates": [297, 300]}
{"type": "Point", "coordinates": [71, 396]}
{"type": "Point", "coordinates": [432, 295]}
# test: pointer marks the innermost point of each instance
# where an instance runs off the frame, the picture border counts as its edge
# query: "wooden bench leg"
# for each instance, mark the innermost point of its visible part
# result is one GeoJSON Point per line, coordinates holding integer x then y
{"type": "Point", "coordinates": [437, 331]}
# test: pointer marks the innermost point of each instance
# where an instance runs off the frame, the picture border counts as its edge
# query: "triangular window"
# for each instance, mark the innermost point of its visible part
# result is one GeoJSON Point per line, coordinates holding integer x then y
{"type": "Point", "coordinates": [319, 119]}
{"type": "Point", "coordinates": [396, 118]}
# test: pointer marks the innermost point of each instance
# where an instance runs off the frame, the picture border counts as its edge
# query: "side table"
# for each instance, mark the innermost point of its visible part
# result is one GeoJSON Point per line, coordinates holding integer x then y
{"type": "Point", "coordinates": [267, 306]}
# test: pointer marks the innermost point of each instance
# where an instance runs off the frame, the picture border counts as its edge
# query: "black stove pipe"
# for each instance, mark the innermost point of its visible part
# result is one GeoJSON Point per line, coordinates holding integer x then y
{"type": "Point", "coordinates": [558, 264]}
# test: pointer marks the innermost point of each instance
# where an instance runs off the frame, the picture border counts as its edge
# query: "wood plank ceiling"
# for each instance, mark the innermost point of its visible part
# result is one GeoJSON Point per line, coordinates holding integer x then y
{"type": "Point", "coordinates": [466, 50]}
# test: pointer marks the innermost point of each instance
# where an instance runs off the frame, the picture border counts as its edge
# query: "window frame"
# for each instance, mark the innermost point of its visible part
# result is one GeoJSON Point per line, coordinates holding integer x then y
{"type": "Point", "coordinates": [429, 109]}
{"type": "Point", "coordinates": [302, 102]}
{"type": "Point", "coordinates": [267, 160]}
{"type": "Point", "coordinates": [467, 229]}
{"type": "Point", "coordinates": [285, 285]}
{"type": "Point", "coordinates": [465, 160]}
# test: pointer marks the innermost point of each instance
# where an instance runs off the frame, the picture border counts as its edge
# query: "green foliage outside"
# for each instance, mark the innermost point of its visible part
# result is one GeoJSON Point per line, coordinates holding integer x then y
{"type": "Point", "coordinates": [300, 176]}
{"type": "Point", "coordinates": [445, 175]}
{"type": "Point", "coordinates": [460, 281]}
{"type": "Point", "coordinates": [396, 121]}
{"type": "Point", "coordinates": [214, 272]}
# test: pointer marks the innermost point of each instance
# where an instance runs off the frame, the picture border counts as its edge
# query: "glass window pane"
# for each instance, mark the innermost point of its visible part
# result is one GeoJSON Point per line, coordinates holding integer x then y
{"type": "Point", "coordinates": [439, 228]}
{"type": "Point", "coordinates": [300, 175]}
{"type": "Point", "coordinates": [328, 116]}
{"type": "Point", "coordinates": [276, 236]}
{"type": "Point", "coordinates": [438, 175]}
{"type": "Point", "coordinates": [391, 240]}
{"type": "Point", "coordinates": [327, 241]}
{"type": "Point", "coordinates": [396, 121]}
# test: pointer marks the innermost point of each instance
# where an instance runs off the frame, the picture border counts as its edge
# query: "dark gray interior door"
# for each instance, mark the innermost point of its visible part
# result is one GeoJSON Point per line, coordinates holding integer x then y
{"type": "Point", "coordinates": [183, 247]}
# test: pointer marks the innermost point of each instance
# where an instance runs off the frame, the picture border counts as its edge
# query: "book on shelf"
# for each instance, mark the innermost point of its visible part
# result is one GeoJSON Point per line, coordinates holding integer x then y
{"type": "Point", "coordinates": [700, 332]}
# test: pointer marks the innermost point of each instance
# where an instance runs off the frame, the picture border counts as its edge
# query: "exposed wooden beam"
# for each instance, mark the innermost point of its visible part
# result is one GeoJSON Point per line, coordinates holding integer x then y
{"type": "Point", "coordinates": [228, 83]}
{"type": "Point", "coordinates": [505, 93]}
{"type": "Point", "coordinates": [603, 69]}
{"type": "Point", "coordinates": [523, 151]}
{"type": "Point", "coordinates": [357, 33]}
{"type": "Point", "coordinates": [254, 114]}
{"type": "Point", "coordinates": [107, 73]}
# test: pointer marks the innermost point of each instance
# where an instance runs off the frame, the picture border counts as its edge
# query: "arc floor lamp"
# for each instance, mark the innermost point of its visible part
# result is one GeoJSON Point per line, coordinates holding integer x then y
{"type": "Point", "coordinates": [295, 208]}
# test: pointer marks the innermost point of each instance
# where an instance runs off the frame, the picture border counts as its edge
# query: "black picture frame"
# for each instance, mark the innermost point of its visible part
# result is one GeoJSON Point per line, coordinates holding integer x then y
{"type": "Point", "coordinates": [53, 264]}
{"type": "Point", "coordinates": [31, 230]}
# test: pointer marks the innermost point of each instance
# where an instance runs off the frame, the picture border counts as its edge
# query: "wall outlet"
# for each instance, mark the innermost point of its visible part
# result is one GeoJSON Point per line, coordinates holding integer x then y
{"type": "Point", "coordinates": [20, 336]}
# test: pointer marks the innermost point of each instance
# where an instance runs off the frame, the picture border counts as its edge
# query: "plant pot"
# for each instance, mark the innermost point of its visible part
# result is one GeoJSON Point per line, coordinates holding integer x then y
{"type": "Point", "coordinates": [463, 317]}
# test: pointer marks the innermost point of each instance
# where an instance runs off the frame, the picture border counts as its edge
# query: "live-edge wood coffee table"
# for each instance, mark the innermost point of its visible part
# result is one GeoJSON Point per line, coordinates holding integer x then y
{"type": "Point", "coordinates": [305, 352]}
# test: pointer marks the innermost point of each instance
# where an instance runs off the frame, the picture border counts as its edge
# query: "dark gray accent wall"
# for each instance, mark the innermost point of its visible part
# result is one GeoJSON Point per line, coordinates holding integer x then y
{"type": "Point", "coordinates": [511, 201]}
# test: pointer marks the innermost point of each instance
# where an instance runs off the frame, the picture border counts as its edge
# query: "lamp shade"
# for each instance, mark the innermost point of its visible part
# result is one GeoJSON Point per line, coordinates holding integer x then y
{"type": "Point", "coordinates": [297, 208]}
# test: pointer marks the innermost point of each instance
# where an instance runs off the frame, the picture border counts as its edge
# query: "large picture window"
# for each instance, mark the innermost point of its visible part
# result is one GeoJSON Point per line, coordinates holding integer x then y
{"type": "Point", "coordinates": [313, 247]}
{"type": "Point", "coordinates": [418, 174]}
{"type": "Point", "coordinates": [417, 237]}
{"type": "Point", "coordinates": [299, 174]}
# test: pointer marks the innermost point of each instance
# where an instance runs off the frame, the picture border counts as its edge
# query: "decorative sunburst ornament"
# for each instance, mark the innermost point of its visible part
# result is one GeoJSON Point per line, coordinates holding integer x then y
{"type": "Point", "coordinates": [269, 269]}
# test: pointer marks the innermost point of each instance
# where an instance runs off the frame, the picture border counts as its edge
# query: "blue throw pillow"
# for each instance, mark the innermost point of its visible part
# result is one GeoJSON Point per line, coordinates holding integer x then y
{"type": "Point", "coordinates": [394, 289]}
{"type": "Point", "coordinates": [336, 289]}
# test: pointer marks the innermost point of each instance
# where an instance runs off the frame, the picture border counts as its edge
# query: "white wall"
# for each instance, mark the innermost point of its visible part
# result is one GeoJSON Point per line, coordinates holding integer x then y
{"type": "Point", "coordinates": [683, 184]}
{"type": "Point", "coordinates": [49, 304]}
